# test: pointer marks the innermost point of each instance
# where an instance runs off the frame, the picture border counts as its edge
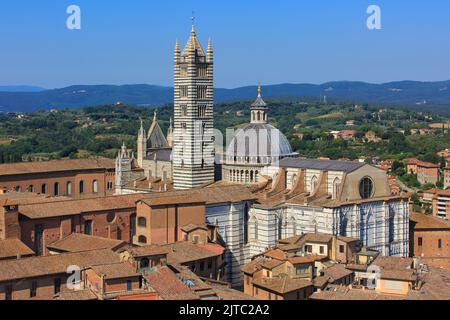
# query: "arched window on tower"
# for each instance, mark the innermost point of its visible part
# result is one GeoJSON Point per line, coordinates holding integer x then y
{"type": "Point", "coordinates": [336, 186]}
{"type": "Point", "coordinates": [313, 184]}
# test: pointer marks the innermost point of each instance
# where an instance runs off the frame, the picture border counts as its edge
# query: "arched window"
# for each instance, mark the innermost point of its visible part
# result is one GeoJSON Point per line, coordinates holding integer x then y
{"type": "Point", "coordinates": [142, 239]}
{"type": "Point", "coordinates": [246, 217]}
{"type": "Point", "coordinates": [294, 180]}
{"type": "Point", "coordinates": [81, 187]}
{"type": "Point", "coordinates": [144, 263]}
{"type": "Point", "coordinates": [95, 186]}
{"type": "Point", "coordinates": [392, 226]}
{"type": "Point", "coordinates": [293, 226]}
{"type": "Point", "coordinates": [313, 184]}
{"type": "Point", "coordinates": [44, 189]}
{"type": "Point", "coordinates": [366, 188]}
{"type": "Point", "coordinates": [142, 222]}
{"type": "Point", "coordinates": [17, 189]}
{"type": "Point", "coordinates": [280, 228]}
{"type": "Point", "coordinates": [69, 188]}
{"type": "Point", "coordinates": [56, 189]}
{"type": "Point", "coordinates": [336, 185]}
{"type": "Point", "coordinates": [31, 188]}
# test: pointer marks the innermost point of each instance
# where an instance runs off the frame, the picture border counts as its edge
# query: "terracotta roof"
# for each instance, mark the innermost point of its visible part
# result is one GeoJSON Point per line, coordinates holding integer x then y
{"type": "Point", "coordinates": [290, 240]}
{"type": "Point", "coordinates": [254, 265]}
{"type": "Point", "coordinates": [77, 242]}
{"type": "Point", "coordinates": [150, 250]}
{"type": "Point", "coordinates": [165, 282]}
{"type": "Point", "coordinates": [347, 239]}
{"type": "Point", "coordinates": [436, 286]}
{"type": "Point", "coordinates": [185, 251]}
{"type": "Point", "coordinates": [77, 206]}
{"type": "Point", "coordinates": [191, 227]}
{"type": "Point", "coordinates": [209, 195]}
{"type": "Point", "coordinates": [55, 166]}
{"type": "Point", "coordinates": [115, 270]}
{"type": "Point", "coordinates": [337, 272]}
{"type": "Point", "coordinates": [271, 264]}
{"type": "Point", "coordinates": [11, 248]}
{"type": "Point", "coordinates": [306, 259]}
{"type": "Point", "coordinates": [22, 198]}
{"type": "Point", "coordinates": [403, 275]}
{"type": "Point", "coordinates": [55, 264]}
{"type": "Point", "coordinates": [278, 254]}
{"type": "Point", "coordinates": [393, 263]}
{"type": "Point", "coordinates": [282, 285]}
{"type": "Point", "coordinates": [229, 294]}
{"type": "Point", "coordinates": [77, 295]}
{"type": "Point", "coordinates": [423, 221]}
{"type": "Point", "coordinates": [317, 237]}
{"type": "Point", "coordinates": [353, 294]}
{"type": "Point", "coordinates": [445, 193]}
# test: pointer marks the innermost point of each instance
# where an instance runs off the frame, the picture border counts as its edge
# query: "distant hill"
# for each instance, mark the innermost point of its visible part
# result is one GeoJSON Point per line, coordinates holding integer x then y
{"type": "Point", "coordinates": [432, 96]}
{"type": "Point", "coordinates": [21, 89]}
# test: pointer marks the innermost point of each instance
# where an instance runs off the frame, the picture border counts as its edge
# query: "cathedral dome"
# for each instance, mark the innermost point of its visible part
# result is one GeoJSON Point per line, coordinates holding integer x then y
{"type": "Point", "coordinates": [258, 143]}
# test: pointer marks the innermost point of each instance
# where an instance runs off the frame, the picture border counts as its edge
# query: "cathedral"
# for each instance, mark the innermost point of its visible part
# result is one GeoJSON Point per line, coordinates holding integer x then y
{"type": "Point", "coordinates": [289, 195]}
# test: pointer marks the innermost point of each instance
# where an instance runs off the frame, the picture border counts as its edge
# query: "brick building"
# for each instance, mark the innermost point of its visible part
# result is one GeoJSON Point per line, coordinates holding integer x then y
{"type": "Point", "coordinates": [430, 240]}
{"type": "Point", "coordinates": [426, 172]}
{"type": "Point", "coordinates": [74, 178]}
{"type": "Point", "coordinates": [39, 222]}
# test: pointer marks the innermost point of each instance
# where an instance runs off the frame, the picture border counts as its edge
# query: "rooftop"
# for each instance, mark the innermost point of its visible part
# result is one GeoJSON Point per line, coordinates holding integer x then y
{"type": "Point", "coordinates": [77, 206]}
{"type": "Point", "coordinates": [77, 242]}
{"type": "Point", "coordinates": [115, 270]}
{"type": "Point", "coordinates": [185, 251]}
{"type": "Point", "coordinates": [324, 165]}
{"type": "Point", "coordinates": [169, 287]}
{"type": "Point", "coordinates": [282, 285]}
{"type": "Point", "coordinates": [55, 166]}
{"type": "Point", "coordinates": [12, 248]}
{"type": "Point", "coordinates": [55, 264]}
{"type": "Point", "coordinates": [423, 221]}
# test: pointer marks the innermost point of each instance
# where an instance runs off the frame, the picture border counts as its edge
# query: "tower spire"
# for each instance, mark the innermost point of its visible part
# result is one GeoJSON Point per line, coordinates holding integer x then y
{"type": "Point", "coordinates": [259, 89]}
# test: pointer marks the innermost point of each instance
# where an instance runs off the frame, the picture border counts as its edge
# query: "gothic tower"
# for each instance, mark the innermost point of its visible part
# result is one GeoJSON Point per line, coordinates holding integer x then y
{"type": "Point", "coordinates": [141, 146]}
{"type": "Point", "coordinates": [193, 142]}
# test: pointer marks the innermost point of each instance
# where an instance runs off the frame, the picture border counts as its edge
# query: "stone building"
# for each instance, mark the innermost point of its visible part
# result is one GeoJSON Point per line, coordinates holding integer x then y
{"type": "Point", "coordinates": [254, 147]}
{"type": "Point", "coordinates": [193, 142]}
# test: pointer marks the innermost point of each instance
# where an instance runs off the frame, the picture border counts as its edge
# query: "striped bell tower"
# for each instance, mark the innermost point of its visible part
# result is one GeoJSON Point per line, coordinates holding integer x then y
{"type": "Point", "coordinates": [193, 141]}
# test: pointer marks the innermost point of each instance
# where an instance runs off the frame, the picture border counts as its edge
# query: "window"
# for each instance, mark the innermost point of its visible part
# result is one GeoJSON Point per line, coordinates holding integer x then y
{"type": "Point", "coordinates": [366, 189]}
{"type": "Point", "coordinates": [341, 249]}
{"type": "Point", "coordinates": [69, 188]}
{"type": "Point", "coordinates": [33, 289]}
{"type": "Point", "coordinates": [202, 266]}
{"type": "Point", "coordinates": [245, 224]}
{"type": "Point", "coordinates": [201, 92]}
{"type": "Point", "coordinates": [248, 280]}
{"type": "Point", "coordinates": [142, 239]}
{"type": "Point", "coordinates": [38, 239]}
{"type": "Point", "coordinates": [88, 227]}
{"type": "Point", "coordinates": [210, 264]}
{"type": "Point", "coordinates": [57, 286]}
{"type": "Point", "coordinates": [95, 186]}
{"type": "Point", "coordinates": [308, 248]}
{"type": "Point", "coordinates": [301, 269]}
{"type": "Point", "coordinates": [313, 184]}
{"type": "Point", "coordinates": [81, 187]}
{"type": "Point", "coordinates": [132, 226]}
{"type": "Point", "coordinates": [129, 285]}
{"type": "Point", "coordinates": [322, 250]}
{"type": "Point", "coordinates": [110, 217]}
{"type": "Point", "coordinates": [184, 111]}
{"type": "Point", "coordinates": [202, 71]}
{"type": "Point", "coordinates": [183, 91]}
{"type": "Point", "coordinates": [56, 189]}
{"type": "Point", "coordinates": [440, 243]}
{"type": "Point", "coordinates": [8, 292]}
{"type": "Point", "coordinates": [420, 242]}
{"type": "Point", "coordinates": [142, 222]}
{"type": "Point", "coordinates": [31, 188]}
{"type": "Point", "coordinates": [109, 185]}
{"type": "Point", "coordinates": [44, 189]}
{"type": "Point", "coordinates": [201, 110]}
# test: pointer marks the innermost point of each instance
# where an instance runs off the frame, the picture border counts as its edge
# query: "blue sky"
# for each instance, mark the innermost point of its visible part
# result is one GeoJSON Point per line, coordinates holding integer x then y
{"type": "Point", "coordinates": [314, 41]}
